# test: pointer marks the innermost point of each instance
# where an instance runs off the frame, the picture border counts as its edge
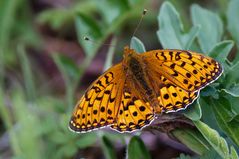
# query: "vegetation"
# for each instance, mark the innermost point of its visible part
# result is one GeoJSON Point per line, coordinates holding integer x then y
{"type": "Point", "coordinates": [45, 65]}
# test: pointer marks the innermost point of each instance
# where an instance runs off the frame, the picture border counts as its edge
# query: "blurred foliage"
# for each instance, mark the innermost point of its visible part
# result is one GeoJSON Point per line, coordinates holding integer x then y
{"type": "Point", "coordinates": [36, 121]}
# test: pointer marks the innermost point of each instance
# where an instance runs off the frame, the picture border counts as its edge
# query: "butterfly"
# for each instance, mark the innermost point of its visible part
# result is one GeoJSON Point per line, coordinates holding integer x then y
{"type": "Point", "coordinates": [130, 95]}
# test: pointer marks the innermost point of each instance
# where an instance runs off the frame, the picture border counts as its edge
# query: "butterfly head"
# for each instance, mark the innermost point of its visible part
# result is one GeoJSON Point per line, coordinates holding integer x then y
{"type": "Point", "coordinates": [129, 56]}
{"type": "Point", "coordinates": [128, 52]}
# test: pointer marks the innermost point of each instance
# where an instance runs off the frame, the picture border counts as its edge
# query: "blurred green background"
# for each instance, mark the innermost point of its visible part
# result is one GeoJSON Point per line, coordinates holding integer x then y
{"type": "Point", "coordinates": [45, 66]}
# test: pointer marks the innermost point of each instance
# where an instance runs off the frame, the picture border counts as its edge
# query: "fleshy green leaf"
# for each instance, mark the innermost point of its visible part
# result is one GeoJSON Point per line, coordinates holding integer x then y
{"type": "Point", "coordinates": [233, 20]}
{"type": "Point", "coordinates": [212, 154]}
{"type": "Point", "coordinates": [221, 50]}
{"type": "Point", "coordinates": [194, 112]}
{"type": "Point", "coordinates": [209, 91]}
{"type": "Point", "coordinates": [171, 33]}
{"type": "Point", "coordinates": [232, 76]}
{"type": "Point", "coordinates": [137, 45]}
{"type": "Point", "coordinates": [224, 118]}
{"type": "Point", "coordinates": [215, 140]}
{"type": "Point", "coordinates": [193, 140]}
{"type": "Point", "coordinates": [211, 27]}
{"type": "Point", "coordinates": [233, 153]}
{"type": "Point", "coordinates": [188, 39]}
{"type": "Point", "coordinates": [136, 149]}
{"type": "Point", "coordinates": [234, 103]}
{"type": "Point", "coordinates": [108, 148]}
{"type": "Point", "coordinates": [232, 90]}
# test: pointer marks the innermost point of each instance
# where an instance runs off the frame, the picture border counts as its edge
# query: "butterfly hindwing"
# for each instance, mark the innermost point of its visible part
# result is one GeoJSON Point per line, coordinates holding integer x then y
{"type": "Point", "coordinates": [173, 98]}
{"type": "Point", "coordinates": [133, 112]}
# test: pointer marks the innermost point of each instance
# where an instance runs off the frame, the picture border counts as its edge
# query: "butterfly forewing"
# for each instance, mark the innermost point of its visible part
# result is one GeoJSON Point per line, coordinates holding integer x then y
{"type": "Point", "coordinates": [98, 106]}
{"type": "Point", "coordinates": [179, 76]}
{"type": "Point", "coordinates": [188, 70]}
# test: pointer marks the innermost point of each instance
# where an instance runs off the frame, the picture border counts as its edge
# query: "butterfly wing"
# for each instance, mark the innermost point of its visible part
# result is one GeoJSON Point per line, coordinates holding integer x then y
{"type": "Point", "coordinates": [98, 106]}
{"type": "Point", "coordinates": [134, 112]}
{"type": "Point", "coordinates": [111, 101]}
{"type": "Point", "coordinates": [180, 75]}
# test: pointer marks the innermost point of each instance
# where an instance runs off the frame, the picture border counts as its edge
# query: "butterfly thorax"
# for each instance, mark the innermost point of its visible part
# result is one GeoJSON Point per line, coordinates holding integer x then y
{"type": "Point", "coordinates": [136, 70]}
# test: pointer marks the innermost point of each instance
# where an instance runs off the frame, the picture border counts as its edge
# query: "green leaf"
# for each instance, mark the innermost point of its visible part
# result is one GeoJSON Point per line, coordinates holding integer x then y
{"type": "Point", "coordinates": [86, 140]}
{"type": "Point", "coordinates": [183, 156]}
{"type": "Point", "coordinates": [70, 73]}
{"type": "Point", "coordinates": [86, 26]}
{"type": "Point", "coordinates": [7, 16]}
{"type": "Point", "coordinates": [232, 75]}
{"type": "Point", "coordinates": [171, 33]}
{"type": "Point", "coordinates": [68, 68]}
{"type": "Point", "coordinates": [66, 151]}
{"type": "Point", "coordinates": [233, 153]}
{"type": "Point", "coordinates": [234, 103]}
{"type": "Point", "coordinates": [60, 17]}
{"type": "Point", "coordinates": [136, 149]}
{"type": "Point", "coordinates": [212, 154]}
{"type": "Point", "coordinates": [208, 115]}
{"type": "Point", "coordinates": [221, 50]}
{"type": "Point", "coordinates": [27, 72]}
{"type": "Point", "coordinates": [193, 140]}
{"type": "Point", "coordinates": [108, 148]}
{"type": "Point", "coordinates": [224, 118]}
{"type": "Point", "coordinates": [236, 58]}
{"type": "Point", "coordinates": [55, 18]}
{"type": "Point", "coordinates": [194, 112]}
{"type": "Point", "coordinates": [232, 90]}
{"type": "Point", "coordinates": [58, 137]}
{"type": "Point", "coordinates": [215, 140]}
{"type": "Point", "coordinates": [188, 39]}
{"type": "Point", "coordinates": [133, 3]}
{"type": "Point", "coordinates": [233, 20]}
{"type": "Point", "coordinates": [209, 91]}
{"type": "Point", "coordinates": [211, 27]}
{"type": "Point", "coordinates": [27, 137]}
{"type": "Point", "coordinates": [236, 118]}
{"type": "Point", "coordinates": [111, 10]}
{"type": "Point", "coordinates": [137, 45]}
{"type": "Point", "coordinates": [8, 10]}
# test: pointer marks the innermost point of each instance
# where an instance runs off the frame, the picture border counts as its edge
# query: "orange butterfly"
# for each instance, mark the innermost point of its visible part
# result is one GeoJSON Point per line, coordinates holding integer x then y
{"type": "Point", "coordinates": [129, 95]}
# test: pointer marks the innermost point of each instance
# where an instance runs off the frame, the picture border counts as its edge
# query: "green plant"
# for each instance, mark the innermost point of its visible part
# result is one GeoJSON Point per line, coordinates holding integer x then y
{"type": "Point", "coordinates": [36, 122]}
{"type": "Point", "coordinates": [208, 30]}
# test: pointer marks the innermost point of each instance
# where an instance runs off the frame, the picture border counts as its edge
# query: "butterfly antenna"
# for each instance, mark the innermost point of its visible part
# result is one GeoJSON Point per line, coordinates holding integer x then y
{"type": "Point", "coordinates": [142, 16]}
{"type": "Point", "coordinates": [93, 42]}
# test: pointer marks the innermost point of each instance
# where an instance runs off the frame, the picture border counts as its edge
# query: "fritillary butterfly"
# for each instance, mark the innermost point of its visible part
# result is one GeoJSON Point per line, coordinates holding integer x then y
{"type": "Point", "coordinates": [129, 95]}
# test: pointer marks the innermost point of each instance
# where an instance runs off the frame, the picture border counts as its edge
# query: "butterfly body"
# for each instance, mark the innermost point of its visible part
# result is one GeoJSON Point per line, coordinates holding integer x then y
{"type": "Point", "coordinates": [129, 95]}
{"type": "Point", "coordinates": [136, 69]}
